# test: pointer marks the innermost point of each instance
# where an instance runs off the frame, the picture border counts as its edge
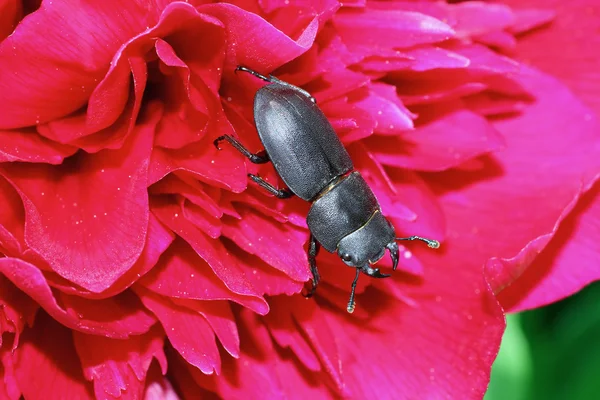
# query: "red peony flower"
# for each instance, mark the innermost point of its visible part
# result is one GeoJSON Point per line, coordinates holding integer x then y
{"type": "Point", "coordinates": [136, 259]}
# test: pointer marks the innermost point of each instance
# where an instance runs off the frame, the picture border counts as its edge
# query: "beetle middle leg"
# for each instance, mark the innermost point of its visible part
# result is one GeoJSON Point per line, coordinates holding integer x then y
{"type": "Point", "coordinates": [313, 250]}
{"type": "Point", "coordinates": [279, 193]}
{"type": "Point", "coordinates": [256, 158]}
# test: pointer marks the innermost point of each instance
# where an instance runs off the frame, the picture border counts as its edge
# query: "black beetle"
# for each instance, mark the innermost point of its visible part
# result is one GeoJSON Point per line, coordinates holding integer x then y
{"type": "Point", "coordinates": [345, 216]}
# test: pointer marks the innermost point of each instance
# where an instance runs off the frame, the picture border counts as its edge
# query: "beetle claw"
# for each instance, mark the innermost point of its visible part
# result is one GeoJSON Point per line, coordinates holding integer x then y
{"type": "Point", "coordinates": [393, 248]}
{"type": "Point", "coordinates": [374, 272]}
{"type": "Point", "coordinates": [217, 141]}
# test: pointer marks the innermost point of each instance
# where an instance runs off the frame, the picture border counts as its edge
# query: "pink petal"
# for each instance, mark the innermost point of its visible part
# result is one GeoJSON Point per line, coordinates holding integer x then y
{"type": "Point", "coordinates": [444, 346]}
{"type": "Point", "coordinates": [37, 72]}
{"type": "Point", "coordinates": [117, 317]}
{"type": "Point", "coordinates": [16, 310]}
{"type": "Point", "coordinates": [351, 121]}
{"type": "Point", "coordinates": [552, 274]}
{"type": "Point", "coordinates": [211, 251]}
{"type": "Point", "coordinates": [28, 146]}
{"type": "Point", "coordinates": [501, 40]}
{"type": "Point", "coordinates": [181, 273]}
{"type": "Point", "coordinates": [191, 189]}
{"type": "Point", "coordinates": [528, 19]}
{"type": "Point", "coordinates": [119, 367]}
{"type": "Point", "coordinates": [9, 387]}
{"type": "Point", "coordinates": [251, 38]}
{"type": "Point", "coordinates": [158, 386]}
{"type": "Point", "coordinates": [158, 240]}
{"type": "Point", "coordinates": [370, 29]}
{"type": "Point", "coordinates": [285, 333]}
{"type": "Point", "coordinates": [418, 59]}
{"type": "Point", "coordinates": [12, 220]}
{"type": "Point", "coordinates": [72, 219]}
{"type": "Point", "coordinates": [566, 48]}
{"type": "Point", "coordinates": [315, 326]}
{"type": "Point", "coordinates": [444, 143]}
{"type": "Point", "coordinates": [415, 194]}
{"type": "Point", "coordinates": [11, 11]}
{"type": "Point", "coordinates": [387, 109]}
{"type": "Point", "coordinates": [264, 278]}
{"type": "Point", "coordinates": [187, 330]}
{"type": "Point", "coordinates": [203, 161]}
{"type": "Point", "coordinates": [476, 17]}
{"type": "Point", "coordinates": [196, 215]}
{"type": "Point", "coordinates": [272, 241]}
{"type": "Point", "coordinates": [263, 371]}
{"type": "Point", "coordinates": [46, 365]}
{"type": "Point", "coordinates": [221, 320]}
{"type": "Point", "coordinates": [563, 133]}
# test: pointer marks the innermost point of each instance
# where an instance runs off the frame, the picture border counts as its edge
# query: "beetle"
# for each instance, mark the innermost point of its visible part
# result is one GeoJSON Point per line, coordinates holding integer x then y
{"type": "Point", "coordinates": [345, 216]}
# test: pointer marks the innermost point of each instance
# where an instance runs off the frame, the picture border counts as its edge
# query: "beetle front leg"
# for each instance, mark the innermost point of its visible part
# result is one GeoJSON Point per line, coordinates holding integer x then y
{"type": "Point", "coordinates": [256, 158]}
{"type": "Point", "coordinates": [279, 193]}
{"type": "Point", "coordinates": [313, 250]}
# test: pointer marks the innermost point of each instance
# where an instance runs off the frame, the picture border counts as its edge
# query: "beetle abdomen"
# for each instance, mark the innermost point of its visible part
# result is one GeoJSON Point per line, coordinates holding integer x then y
{"type": "Point", "coordinates": [300, 141]}
{"type": "Point", "coordinates": [342, 210]}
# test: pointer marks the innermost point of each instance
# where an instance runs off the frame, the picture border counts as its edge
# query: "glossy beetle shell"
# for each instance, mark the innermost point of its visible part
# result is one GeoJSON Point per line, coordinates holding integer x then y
{"type": "Point", "coordinates": [300, 141]}
{"type": "Point", "coordinates": [344, 209]}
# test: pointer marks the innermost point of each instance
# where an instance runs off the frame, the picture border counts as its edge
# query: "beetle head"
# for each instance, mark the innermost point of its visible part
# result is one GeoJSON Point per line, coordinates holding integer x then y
{"type": "Point", "coordinates": [367, 245]}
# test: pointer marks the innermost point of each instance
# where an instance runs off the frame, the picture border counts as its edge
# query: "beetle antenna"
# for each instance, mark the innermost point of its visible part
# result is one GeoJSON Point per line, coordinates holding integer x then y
{"type": "Point", "coordinates": [434, 244]}
{"type": "Point", "coordinates": [351, 302]}
{"type": "Point", "coordinates": [393, 248]}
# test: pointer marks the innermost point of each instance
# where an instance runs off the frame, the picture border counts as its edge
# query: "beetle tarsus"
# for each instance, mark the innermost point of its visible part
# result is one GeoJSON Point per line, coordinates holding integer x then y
{"type": "Point", "coordinates": [254, 73]}
{"type": "Point", "coordinates": [351, 302]}
{"type": "Point", "coordinates": [273, 79]}
{"type": "Point", "coordinates": [279, 193]}
{"type": "Point", "coordinates": [255, 158]}
{"type": "Point", "coordinates": [313, 250]}
{"type": "Point", "coordinates": [434, 244]}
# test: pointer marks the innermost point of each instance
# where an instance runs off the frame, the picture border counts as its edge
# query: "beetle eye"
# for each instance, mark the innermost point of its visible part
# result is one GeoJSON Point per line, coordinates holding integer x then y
{"type": "Point", "coordinates": [346, 257]}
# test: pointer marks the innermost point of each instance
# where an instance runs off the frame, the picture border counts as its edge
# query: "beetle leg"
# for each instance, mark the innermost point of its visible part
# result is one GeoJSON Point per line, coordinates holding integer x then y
{"type": "Point", "coordinates": [313, 250]}
{"type": "Point", "coordinates": [272, 79]}
{"type": "Point", "coordinates": [434, 244]}
{"type": "Point", "coordinates": [252, 72]}
{"type": "Point", "coordinates": [351, 302]}
{"type": "Point", "coordinates": [258, 158]}
{"type": "Point", "coordinates": [280, 193]}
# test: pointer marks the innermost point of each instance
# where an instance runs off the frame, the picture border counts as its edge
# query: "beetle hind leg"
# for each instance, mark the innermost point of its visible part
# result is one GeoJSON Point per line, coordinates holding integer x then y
{"type": "Point", "coordinates": [272, 79]}
{"type": "Point", "coordinates": [313, 250]}
{"type": "Point", "coordinates": [254, 73]}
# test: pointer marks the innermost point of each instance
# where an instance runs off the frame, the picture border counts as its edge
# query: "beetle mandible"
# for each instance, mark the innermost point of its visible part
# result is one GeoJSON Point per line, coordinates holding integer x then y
{"type": "Point", "coordinates": [345, 216]}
